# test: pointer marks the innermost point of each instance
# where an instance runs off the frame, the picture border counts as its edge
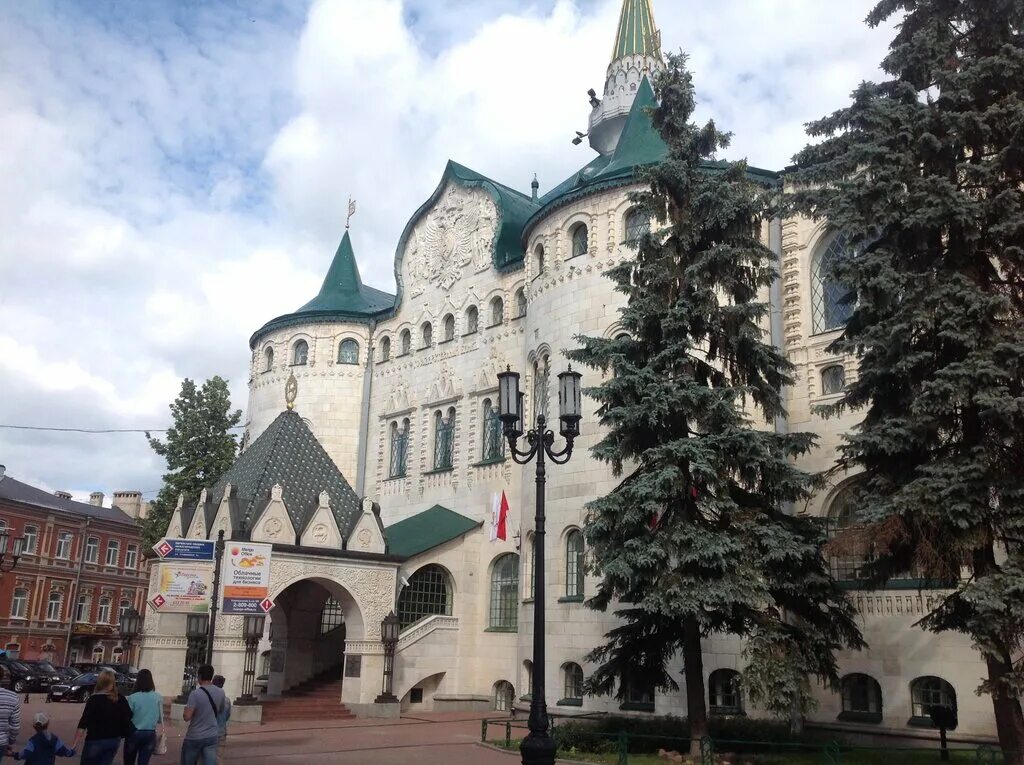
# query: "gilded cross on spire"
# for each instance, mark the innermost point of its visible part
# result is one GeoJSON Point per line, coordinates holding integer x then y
{"type": "Point", "coordinates": [291, 391]}
{"type": "Point", "coordinates": [351, 211]}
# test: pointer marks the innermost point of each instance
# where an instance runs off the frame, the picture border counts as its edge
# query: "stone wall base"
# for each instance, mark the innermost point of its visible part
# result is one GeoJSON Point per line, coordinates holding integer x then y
{"type": "Point", "coordinates": [246, 713]}
{"type": "Point", "coordinates": [388, 711]}
{"type": "Point", "coordinates": [461, 702]}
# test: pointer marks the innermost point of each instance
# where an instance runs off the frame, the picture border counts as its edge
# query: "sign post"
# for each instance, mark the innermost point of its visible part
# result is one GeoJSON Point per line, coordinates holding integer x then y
{"type": "Point", "coordinates": [247, 578]}
{"type": "Point", "coordinates": [184, 580]}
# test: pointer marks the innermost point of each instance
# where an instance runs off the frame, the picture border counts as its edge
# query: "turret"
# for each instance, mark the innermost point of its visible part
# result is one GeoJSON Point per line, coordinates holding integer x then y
{"type": "Point", "coordinates": [636, 54]}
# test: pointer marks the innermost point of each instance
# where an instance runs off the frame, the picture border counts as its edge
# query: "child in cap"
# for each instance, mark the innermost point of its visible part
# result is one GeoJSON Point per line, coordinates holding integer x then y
{"type": "Point", "coordinates": [44, 747]}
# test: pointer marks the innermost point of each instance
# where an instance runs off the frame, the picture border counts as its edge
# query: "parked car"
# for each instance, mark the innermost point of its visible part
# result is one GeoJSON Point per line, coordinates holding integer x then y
{"type": "Point", "coordinates": [46, 672]}
{"type": "Point", "coordinates": [22, 678]}
{"type": "Point", "coordinates": [66, 673]}
{"type": "Point", "coordinates": [82, 687]}
{"type": "Point", "coordinates": [125, 669]}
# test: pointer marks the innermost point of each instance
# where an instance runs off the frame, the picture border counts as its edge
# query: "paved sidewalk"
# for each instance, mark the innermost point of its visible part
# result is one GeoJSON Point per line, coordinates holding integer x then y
{"type": "Point", "coordinates": [448, 738]}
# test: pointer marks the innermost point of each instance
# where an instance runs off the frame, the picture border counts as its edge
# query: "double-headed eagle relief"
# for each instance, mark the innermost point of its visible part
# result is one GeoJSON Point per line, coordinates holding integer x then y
{"type": "Point", "coordinates": [457, 232]}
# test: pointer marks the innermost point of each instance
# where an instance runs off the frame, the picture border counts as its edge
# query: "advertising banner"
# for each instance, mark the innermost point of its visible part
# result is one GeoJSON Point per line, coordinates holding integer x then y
{"type": "Point", "coordinates": [183, 588]}
{"type": "Point", "coordinates": [246, 573]}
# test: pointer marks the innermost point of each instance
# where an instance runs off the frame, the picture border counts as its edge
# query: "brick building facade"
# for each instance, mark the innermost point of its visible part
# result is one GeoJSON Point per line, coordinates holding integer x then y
{"type": "Point", "coordinates": [81, 567]}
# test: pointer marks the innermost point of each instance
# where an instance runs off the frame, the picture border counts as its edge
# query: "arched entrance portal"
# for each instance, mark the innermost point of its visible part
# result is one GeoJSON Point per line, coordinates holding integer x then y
{"type": "Point", "coordinates": [310, 622]}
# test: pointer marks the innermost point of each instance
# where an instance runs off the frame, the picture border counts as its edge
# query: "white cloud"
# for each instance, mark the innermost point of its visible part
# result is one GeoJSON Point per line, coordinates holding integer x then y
{"type": "Point", "coordinates": [172, 180]}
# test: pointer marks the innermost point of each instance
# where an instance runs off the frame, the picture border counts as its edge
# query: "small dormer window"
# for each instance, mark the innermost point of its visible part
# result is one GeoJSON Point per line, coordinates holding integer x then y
{"type": "Point", "coordinates": [300, 353]}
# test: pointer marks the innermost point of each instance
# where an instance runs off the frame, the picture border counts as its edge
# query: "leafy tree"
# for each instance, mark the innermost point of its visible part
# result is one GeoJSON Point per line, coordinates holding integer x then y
{"type": "Point", "coordinates": [924, 173]}
{"type": "Point", "coordinates": [694, 540]}
{"type": "Point", "coordinates": [199, 448]}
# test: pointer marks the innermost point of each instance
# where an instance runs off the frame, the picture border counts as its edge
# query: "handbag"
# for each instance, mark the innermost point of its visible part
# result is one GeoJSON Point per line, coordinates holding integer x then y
{"type": "Point", "coordinates": [161, 744]}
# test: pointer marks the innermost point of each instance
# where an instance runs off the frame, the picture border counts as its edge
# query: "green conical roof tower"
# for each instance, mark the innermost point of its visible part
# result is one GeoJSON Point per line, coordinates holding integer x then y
{"type": "Point", "coordinates": [636, 34]}
{"type": "Point", "coordinates": [342, 296]}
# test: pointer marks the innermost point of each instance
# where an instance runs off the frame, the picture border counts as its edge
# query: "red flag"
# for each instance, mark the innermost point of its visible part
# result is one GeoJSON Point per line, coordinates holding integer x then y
{"type": "Point", "coordinates": [502, 531]}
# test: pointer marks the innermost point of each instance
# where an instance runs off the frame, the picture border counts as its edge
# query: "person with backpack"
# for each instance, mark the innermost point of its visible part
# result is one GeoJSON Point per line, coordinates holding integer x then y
{"type": "Point", "coordinates": [147, 720]}
{"type": "Point", "coordinates": [205, 704]}
{"type": "Point", "coordinates": [104, 722]}
{"type": "Point", "coordinates": [222, 721]}
{"type": "Point", "coordinates": [44, 747]}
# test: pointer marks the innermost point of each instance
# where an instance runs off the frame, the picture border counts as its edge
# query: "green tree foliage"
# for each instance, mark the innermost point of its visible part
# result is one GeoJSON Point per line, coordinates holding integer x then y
{"type": "Point", "coordinates": [924, 173]}
{"type": "Point", "coordinates": [691, 377]}
{"type": "Point", "coordinates": [199, 448]}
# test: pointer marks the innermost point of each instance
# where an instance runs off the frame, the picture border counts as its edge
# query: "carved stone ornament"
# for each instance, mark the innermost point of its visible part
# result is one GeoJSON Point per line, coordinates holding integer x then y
{"type": "Point", "coordinates": [459, 230]}
{"type": "Point", "coordinates": [364, 537]}
{"type": "Point", "coordinates": [272, 528]}
{"type": "Point", "coordinates": [321, 534]}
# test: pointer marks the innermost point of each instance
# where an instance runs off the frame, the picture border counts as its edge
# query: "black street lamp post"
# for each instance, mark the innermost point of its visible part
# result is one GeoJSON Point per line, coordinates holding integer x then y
{"type": "Point", "coordinates": [196, 634]}
{"type": "Point", "coordinates": [389, 627]}
{"type": "Point", "coordinates": [252, 633]}
{"type": "Point", "coordinates": [131, 626]}
{"type": "Point", "coordinates": [8, 562]}
{"type": "Point", "coordinates": [538, 748]}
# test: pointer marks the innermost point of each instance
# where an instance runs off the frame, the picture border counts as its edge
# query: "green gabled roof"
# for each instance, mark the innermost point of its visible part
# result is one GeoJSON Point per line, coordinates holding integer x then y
{"type": "Point", "coordinates": [636, 33]}
{"type": "Point", "coordinates": [425, 531]}
{"type": "Point", "coordinates": [639, 144]}
{"type": "Point", "coordinates": [287, 453]}
{"type": "Point", "coordinates": [342, 296]}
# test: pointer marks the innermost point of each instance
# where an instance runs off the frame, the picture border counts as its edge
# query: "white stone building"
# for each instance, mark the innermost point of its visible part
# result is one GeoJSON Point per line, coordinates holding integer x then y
{"type": "Point", "coordinates": [399, 390]}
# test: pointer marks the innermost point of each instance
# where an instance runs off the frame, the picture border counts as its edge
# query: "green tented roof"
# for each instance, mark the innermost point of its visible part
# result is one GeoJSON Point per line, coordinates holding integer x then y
{"type": "Point", "coordinates": [636, 34]}
{"type": "Point", "coordinates": [425, 531]}
{"type": "Point", "coordinates": [342, 296]}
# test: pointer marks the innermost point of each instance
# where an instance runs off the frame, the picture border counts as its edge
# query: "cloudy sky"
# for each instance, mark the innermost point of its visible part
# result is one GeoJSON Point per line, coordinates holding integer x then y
{"type": "Point", "coordinates": [174, 174]}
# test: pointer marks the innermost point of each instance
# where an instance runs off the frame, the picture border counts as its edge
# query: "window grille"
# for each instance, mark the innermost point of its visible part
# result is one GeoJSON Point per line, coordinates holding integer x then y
{"type": "Point", "coordinates": [579, 240]}
{"type": "Point", "coordinates": [724, 692]}
{"type": "Point", "coordinates": [574, 564]}
{"type": "Point", "coordinates": [427, 594]}
{"type": "Point", "coordinates": [848, 565]}
{"type": "Point", "coordinates": [444, 440]}
{"type": "Point", "coordinates": [928, 692]}
{"type": "Point", "coordinates": [637, 224]}
{"type": "Point", "coordinates": [861, 693]}
{"type": "Point", "coordinates": [504, 696]}
{"type": "Point", "coordinates": [399, 449]}
{"type": "Point", "coordinates": [829, 306]}
{"type": "Point", "coordinates": [348, 352]}
{"type": "Point", "coordinates": [331, 616]}
{"type": "Point", "coordinates": [574, 681]}
{"type": "Point", "coordinates": [833, 379]}
{"type": "Point", "coordinates": [300, 353]}
{"type": "Point", "coordinates": [493, 441]}
{"type": "Point", "coordinates": [505, 592]}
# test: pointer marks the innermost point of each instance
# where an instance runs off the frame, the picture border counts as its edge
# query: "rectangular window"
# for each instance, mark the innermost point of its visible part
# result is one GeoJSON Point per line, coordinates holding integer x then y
{"type": "Point", "coordinates": [444, 440]}
{"type": "Point", "coordinates": [92, 550]}
{"type": "Point", "coordinates": [131, 556]}
{"type": "Point", "coordinates": [103, 615]}
{"type": "Point", "coordinates": [494, 441]}
{"type": "Point", "coordinates": [82, 610]}
{"type": "Point", "coordinates": [53, 608]}
{"type": "Point", "coordinates": [19, 604]}
{"type": "Point", "coordinates": [113, 552]}
{"type": "Point", "coordinates": [399, 449]}
{"type": "Point", "coordinates": [63, 545]}
{"type": "Point", "coordinates": [31, 539]}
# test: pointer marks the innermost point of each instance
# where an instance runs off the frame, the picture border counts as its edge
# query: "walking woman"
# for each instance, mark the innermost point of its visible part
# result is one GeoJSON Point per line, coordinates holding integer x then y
{"type": "Point", "coordinates": [147, 720]}
{"type": "Point", "coordinates": [104, 722]}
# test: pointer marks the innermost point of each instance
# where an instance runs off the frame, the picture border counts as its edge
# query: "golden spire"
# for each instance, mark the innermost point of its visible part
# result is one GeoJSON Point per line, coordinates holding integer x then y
{"type": "Point", "coordinates": [291, 390]}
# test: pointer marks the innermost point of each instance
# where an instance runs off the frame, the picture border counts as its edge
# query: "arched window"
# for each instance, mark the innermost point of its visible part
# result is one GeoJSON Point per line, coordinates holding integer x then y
{"type": "Point", "coordinates": [405, 342]}
{"type": "Point", "coordinates": [428, 593]}
{"type": "Point", "coordinates": [348, 352]}
{"type": "Point", "coordinates": [846, 563]}
{"type": "Point", "coordinates": [399, 448]}
{"type": "Point", "coordinates": [573, 674]}
{"type": "Point", "coordinates": [504, 696]}
{"type": "Point", "coordinates": [833, 379]}
{"type": "Point", "coordinates": [862, 698]}
{"type": "Point", "coordinates": [331, 616]}
{"type": "Point", "coordinates": [103, 612]}
{"type": "Point", "coordinates": [493, 441]}
{"type": "Point", "coordinates": [929, 692]}
{"type": "Point", "coordinates": [82, 609]}
{"type": "Point", "coordinates": [444, 439]}
{"type": "Point", "coordinates": [31, 535]}
{"type": "Point", "coordinates": [579, 240]}
{"type": "Point", "coordinates": [574, 564]}
{"type": "Point", "coordinates": [541, 373]}
{"type": "Point", "coordinates": [122, 609]}
{"type": "Point", "coordinates": [724, 692]}
{"type": "Point", "coordinates": [504, 592]}
{"type": "Point", "coordinates": [497, 311]}
{"type": "Point", "coordinates": [385, 349]}
{"type": "Point", "coordinates": [19, 603]}
{"type": "Point", "coordinates": [636, 225]}
{"type": "Point", "coordinates": [300, 353]}
{"type": "Point", "coordinates": [472, 320]}
{"type": "Point", "coordinates": [538, 258]}
{"type": "Point", "coordinates": [427, 334]}
{"type": "Point", "coordinates": [268, 359]}
{"type": "Point", "coordinates": [520, 303]}
{"type": "Point", "coordinates": [830, 308]}
{"type": "Point", "coordinates": [53, 608]}
{"type": "Point", "coordinates": [449, 327]}
{"type": "Point", "coordinates": [92, 550]}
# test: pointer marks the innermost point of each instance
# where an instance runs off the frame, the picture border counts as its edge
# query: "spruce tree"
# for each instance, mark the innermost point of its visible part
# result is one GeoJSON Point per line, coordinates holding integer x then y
{"type": "Point", "coordinates": [695, 539]}
{"type": "Point", "coordinates": [199, 448]}
{"type": "Point", "coordinates": [924, 173]}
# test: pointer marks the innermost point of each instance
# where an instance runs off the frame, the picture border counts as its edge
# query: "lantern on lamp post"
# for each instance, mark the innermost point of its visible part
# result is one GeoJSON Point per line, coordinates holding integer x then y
{"type": "Point", "coordinates": [196, 632]}
{"type": "Point", "coordinates": [538, 748]}
{"type": "Point", "coordinates": [130, 626]}
{"type": "Point", "coordinates": [252, 633]}
{"type": "Point", "coordinates": [389, 628]}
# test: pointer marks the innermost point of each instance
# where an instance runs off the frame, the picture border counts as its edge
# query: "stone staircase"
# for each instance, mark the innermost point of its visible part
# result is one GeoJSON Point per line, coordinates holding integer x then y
{"type": "Point", "coordinates": [318, 698]}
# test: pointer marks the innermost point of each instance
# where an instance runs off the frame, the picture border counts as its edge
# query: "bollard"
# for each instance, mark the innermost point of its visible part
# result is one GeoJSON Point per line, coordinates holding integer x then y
{"type": "Point", "coordinates": [508, 735]}
{"type": "Point", "coordinates": [707, 750]}
{"type": "Point", "coordinates": [483, 730]}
